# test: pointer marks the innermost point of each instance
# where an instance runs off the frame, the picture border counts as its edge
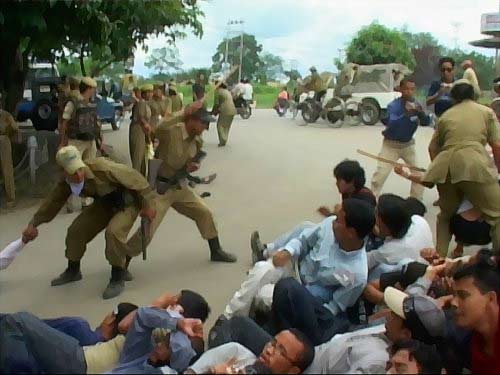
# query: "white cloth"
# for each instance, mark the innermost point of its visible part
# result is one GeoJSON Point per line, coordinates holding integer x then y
{"type": "Point", "coordinates": [465, 206]}
{"type": "Point", "coordinates": [247, 91]}
{"type": "Point", "coordinates": [360, 352]}
{"type": "Point", "coordinates": [418, 237]}
{"type": "Point", "coordinates": [260, 281]}
{"type": "Point", "coordinates": [221, 354]}
{"type": "Point", "coordinates": [10, 253]}
{"type": "Point", "coordinates": [77, 188]}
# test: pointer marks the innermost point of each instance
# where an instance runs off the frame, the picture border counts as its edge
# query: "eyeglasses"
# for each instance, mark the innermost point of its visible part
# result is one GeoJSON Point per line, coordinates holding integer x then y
{"type": "Point", "coordinates": [280, 349]}
{"type": "Point", "coordinates": [449, 70]}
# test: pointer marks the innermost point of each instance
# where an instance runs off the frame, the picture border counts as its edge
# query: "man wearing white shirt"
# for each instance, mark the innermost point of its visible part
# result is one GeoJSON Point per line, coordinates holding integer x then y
{"type": "Point", "coordinates": [405, 235]}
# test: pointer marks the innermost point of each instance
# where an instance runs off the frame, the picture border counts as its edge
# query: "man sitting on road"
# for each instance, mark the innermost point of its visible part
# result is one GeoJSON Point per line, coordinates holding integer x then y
{"type": "Point", "coordinates": [332, 266]}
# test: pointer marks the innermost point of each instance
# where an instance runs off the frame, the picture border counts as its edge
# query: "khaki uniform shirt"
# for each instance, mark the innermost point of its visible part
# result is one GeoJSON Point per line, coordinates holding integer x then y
{"type": "Point", "coordinates": [8, 125]}
{"type": "Point", "coordinates": [158, 109]}
{"type": "Point", "coordinates": [102, 177]}
{"type": "Point", "coordinates": [316, 83]}
{"type": "Point", "coordinates": [224, 102]}
{"type": "Point", "coordinates": [141, 111]}
{"type": "Point", "coordinates": [176, 147]}
{"type": "Point", "coordinates": [461, 135]}
{"type": "Point", "coordinates": [167, 104]}
{"type": "Point", "coordinates": [176, 103]}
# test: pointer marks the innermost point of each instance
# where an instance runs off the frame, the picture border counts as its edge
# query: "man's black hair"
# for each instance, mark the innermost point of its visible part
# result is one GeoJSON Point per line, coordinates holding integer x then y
{"type": "Point", "coordinates": [484, 273]}
{"type": "Point", "coordinates": [407, 79]}
{"type": "Point", "coordinates": [496, 80]}
{"type": "Point", "coordinates": [415, 207]}
{"type": "Point", "coordinates": [446, 59]}
{"type": "Point", "coordinates": [194, 305]}
{"type": "Point", "coordinates": [307, 357]}
{"type": "Point", "coordinates": [350, 171]}
{"type": "Point", "coordinates": [394, 213]}
{"type": "Point", "coordinates": [461, 92]}
{"type": "Point", "coordinates": [427, 356]}
{"type": "Point", "coordinates": [359, 215]}
{"type": "Point", "coordinates": [124, 309]}
{"type": "Point", "coordinates": [172, 92]}
{"type": "Point", "coordinates": [198, 90]}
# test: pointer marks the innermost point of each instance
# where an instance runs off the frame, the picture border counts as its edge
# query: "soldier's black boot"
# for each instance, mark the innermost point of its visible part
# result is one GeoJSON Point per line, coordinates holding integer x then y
{"type": "Point", "coordinates": [71, 274]}
{"type": "Point", "coordinates": [127, 276]}
{"type": "Point", "coordinates": [258, 247]}
{"type": "Point", "coordinates": [219, 255]}
{"type": "Point", "coordinates": [116, 283]}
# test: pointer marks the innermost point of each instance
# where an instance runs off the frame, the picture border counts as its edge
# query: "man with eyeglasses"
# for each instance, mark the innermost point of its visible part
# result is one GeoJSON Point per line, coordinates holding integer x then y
{"type": "Point", "coordinates": [289, 352]}
{"type": "Point", "coordinates": [439, 92]}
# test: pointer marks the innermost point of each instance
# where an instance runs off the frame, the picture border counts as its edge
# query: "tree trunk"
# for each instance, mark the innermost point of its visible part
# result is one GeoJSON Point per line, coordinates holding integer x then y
{"type": "Point", "coordinates": [14, 68]}
{"type": "Point", "coordinates": [82, 65]}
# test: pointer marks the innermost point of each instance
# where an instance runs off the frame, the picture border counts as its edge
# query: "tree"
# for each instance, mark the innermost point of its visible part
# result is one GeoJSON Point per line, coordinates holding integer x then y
{"type": "Point", "coordinates": [71, 67]}
{"type": "Point", "coordinates": [251, 58]}
{"type": "Point", "coordinates": [271, 67]}
{"type": "Point", "coordinates": [377, 44]}
{"type": "Point", "coordinates": [164, 59]}
{"type": "Point", "coordinates": [293, 74]}
{"type": "Point", "coordinates": [108, 31]}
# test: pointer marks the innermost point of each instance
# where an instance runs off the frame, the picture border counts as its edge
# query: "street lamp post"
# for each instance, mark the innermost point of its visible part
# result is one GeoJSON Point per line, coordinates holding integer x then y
{"type": "Point", "coordinates": [230, 23]}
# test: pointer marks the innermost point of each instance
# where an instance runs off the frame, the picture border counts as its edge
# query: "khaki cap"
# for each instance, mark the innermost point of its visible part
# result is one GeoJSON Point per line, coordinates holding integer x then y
{"type": "Point", "coordinates": [462, 81]}
{"type": "Point", "coordinates": [147, 87]}
{"type": "Point", "coordinates": [89, 82]}
{"type": "Point", "coordinates": [69, 159]}
{"type": "Point", "coordinates": [74, 80]}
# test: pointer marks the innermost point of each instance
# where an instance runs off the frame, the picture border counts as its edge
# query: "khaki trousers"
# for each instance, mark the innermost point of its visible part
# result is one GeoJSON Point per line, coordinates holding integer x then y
{"type": "Point", "coordinates": [7, 167]}
{"type": "Point", "coordinates": [137, 145]}
{"type": "Point", "coordinates": [87, 149]}
{"type": "Point", "coordinates": [483, 196]}
{"type": "Point", "coordinates": [186, 202]}
{"type": "Point", "coordinates": [94, 219]}
{"type": "Point", "coordinates": [394, 151]}
{"type": "Point", "coordinates": [223, 125]}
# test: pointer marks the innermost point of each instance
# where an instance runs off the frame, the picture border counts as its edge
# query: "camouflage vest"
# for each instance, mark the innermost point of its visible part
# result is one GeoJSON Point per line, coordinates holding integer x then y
{"type": "Point", "coordinates": [83, 124]}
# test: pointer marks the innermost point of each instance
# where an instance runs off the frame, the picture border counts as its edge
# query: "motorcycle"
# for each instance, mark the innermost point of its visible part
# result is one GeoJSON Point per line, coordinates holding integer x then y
{"type": "Point", "coordinates": [281, 107]}
{"type": "Point", "coordinates": [243, 107]}
{"type": "Point", "coordinates": [328, 108]}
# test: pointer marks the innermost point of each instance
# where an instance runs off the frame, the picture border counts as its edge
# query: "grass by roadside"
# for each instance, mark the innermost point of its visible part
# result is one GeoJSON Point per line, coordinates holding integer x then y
{"type": "Point", "coordinates": [264, 95]}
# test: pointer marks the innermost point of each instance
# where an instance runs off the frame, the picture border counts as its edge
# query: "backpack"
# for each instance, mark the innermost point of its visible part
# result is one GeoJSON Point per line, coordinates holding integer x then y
{"type": "Point", "coordinates": [83, 125]}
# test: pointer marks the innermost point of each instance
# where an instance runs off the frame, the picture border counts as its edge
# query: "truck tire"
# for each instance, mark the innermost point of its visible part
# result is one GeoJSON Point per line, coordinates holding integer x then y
{"type": "Point", "coordinates": [369, 112]}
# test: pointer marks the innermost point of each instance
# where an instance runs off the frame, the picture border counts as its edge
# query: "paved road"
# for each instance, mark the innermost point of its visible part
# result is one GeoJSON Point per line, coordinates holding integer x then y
{"type": "Point", "coordinates": [272, 175]}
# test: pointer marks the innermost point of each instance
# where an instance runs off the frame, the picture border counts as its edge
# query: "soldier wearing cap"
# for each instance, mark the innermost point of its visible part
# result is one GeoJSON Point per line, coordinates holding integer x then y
{"type": "Point", "coordinates": [120, 195]}
{"type": "Point", "coordinates": [79, 126]}
{"type": "Point", "coordinates": [316, 84]}
{"type": "Point", "coordinates": [160, 106]}
{"type": "Point", "coordinates": [224, 107]}
{"type": "Point", "coordinates": [175, 98]}
{"type": "Point", "coordinates": [461, 167]}
{"type": "Point", "coordinates": [8, 132]}
{"type": "Point", "coordinates": [179, 144]}
{"type": "Point", "coordinates": [140, 129]}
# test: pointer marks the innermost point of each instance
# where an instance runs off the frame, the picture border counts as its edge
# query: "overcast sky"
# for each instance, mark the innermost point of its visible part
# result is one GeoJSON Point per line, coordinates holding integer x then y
{"type": "Point", "coordinates": [310, 32]}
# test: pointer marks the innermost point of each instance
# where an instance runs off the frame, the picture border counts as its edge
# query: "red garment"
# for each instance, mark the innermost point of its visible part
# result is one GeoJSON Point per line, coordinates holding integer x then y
{"type": "Point", "coordinates": [481, 362]}
{"type": "Point", "coordinates": [363, 193]}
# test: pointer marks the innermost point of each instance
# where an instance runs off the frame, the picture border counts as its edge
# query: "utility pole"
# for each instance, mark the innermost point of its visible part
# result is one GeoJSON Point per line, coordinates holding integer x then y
{"type": "Point", "coordinates": [241, 51]}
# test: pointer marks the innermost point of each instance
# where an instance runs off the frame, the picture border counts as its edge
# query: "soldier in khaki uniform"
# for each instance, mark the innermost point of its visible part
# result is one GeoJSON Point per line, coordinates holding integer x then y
{"type": "Point", "coordinates": [8, 131]}
{"type": "Point", "coordinates": [316, 84]}
{"type": "Point", "coordinates": [79, 126]}
{"type": "Point", "coordinates": [140, 129]}
{"type": "Point", "coordinates": [461, 167]}
{"type": "Point", "coordinates": [179, 143]}
{"type": "Point", "coordinates": [224, 107]}
{"type": "Point", "coordinates": [175, 98]}
{"type": "Point", "coordinates": [120, 195]}
{"type": "Point", "coordinates": [159, 107]}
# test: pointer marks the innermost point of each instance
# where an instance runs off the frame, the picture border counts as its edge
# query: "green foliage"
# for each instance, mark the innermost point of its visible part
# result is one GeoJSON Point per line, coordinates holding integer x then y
{"type": "Point", "coordinates": [293, 74]}
{"type": "Point", "coordinates": [71, 67]}
{"type": "Point", "coordinates": [377, 44]}
{"type": "Point", "coordinates": [108, 31]}
{"type": "Point", "coordinates": [251, 59]}
{"type": "Point", "coordinates": [271, 67]}
{"type": "Point", "coordinates": [164, 59]}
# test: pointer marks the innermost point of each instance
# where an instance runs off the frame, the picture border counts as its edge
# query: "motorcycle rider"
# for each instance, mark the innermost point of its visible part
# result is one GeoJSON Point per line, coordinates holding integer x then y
{"type": "Point", "coordinates": [316, 84]}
